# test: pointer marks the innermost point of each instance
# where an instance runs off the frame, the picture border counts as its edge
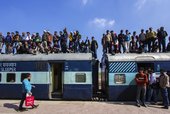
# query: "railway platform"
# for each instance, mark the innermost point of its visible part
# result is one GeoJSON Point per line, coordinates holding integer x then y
{"type": "Point", "coordinates": [81, 107]}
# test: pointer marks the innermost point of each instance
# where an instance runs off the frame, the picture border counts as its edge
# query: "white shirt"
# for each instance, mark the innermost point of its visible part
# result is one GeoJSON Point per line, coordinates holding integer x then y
{"type": "Point", "coordinates": [28, 37]}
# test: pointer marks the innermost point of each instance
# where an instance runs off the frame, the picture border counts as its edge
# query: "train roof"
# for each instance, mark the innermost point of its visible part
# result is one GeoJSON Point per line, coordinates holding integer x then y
{"type": "Point", "coordinates": [140, 57]}
{"type": "Point", "coordinates": [44, 57]}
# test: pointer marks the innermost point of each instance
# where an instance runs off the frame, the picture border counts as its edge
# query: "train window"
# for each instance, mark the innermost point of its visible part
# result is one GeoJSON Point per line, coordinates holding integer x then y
{"type": "Point", "coordinates": [23, 76]}
{"type": "Point", "coordinates": [80, 77]}
{"type": "Point", "coordinates": [119, 79]}
{"type": "Point", "coordinates": [0, 77]}
{"type": "Point", "coordinates": [11, 77]}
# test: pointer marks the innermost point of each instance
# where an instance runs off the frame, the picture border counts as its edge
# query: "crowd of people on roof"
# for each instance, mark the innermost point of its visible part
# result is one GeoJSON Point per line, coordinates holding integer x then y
{"type": "Point", "coordinates": [146, 41]}
{"type": "Point", "coordinates": [72, 42]}
{"type": "Point", "coordinates": [62, 42]}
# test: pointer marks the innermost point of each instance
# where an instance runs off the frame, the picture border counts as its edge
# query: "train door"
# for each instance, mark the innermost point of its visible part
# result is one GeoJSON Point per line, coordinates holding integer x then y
{"type": "Point", "coordinates": [57, 81]}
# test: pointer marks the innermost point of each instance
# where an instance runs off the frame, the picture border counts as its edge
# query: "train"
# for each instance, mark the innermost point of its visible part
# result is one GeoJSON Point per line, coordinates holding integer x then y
{"type": "Point", "coordinates": [77, 76]}
{"type": "Point", "coordinates": [118, 72]}
{"type": "Point", "coordinates": [55, 76]}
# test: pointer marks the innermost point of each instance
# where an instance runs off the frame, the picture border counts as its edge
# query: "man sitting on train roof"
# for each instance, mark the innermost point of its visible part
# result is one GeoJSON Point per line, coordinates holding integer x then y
{"type": "Point", "coordinates": [48, 43]}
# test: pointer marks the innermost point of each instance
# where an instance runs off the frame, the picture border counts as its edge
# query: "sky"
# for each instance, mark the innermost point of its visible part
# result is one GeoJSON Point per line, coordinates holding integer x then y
{"type": "Point", "coordinates": [90, 17]}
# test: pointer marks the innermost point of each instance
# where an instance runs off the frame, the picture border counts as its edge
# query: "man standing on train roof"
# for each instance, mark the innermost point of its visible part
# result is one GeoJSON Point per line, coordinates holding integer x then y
{"type": "Point", "coordinates": [1, 41]}
{"type": "Point", "coordinates": [108, 41]}
{"type": "Point", "coordinates": [26, 89]}
{"type": "Point", "coordinates": [164, 84]}
{"type": "Point", "coordinates": [127, 40]}
{"type": "Point", "coordinates": [94, 47]}
{"type": "Point", "coordinates": [151, 39]}
{"type": "Point", "coordinates": [141, 81]}
{"type": "Point", "coordinates": [162, 34]}
{"type": "Point", "coordinates": [121, 39]}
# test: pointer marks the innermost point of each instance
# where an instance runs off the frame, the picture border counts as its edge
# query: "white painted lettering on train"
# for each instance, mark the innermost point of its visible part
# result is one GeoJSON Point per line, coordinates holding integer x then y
{"type": "Point", "coordinates": [8, 67]}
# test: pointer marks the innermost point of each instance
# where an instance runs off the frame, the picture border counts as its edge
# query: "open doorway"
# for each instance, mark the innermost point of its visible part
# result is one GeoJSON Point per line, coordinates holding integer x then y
{"type": "Point", "coordinates": [57, 69]}
{"type": "Point", "coordinates": [146, 66]}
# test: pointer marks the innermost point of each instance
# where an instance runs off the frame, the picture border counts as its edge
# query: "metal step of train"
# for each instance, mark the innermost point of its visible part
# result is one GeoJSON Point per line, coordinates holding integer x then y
{"type": "Point", "coordinates": [56, 95]}
{"type": "Point", "coordinates": [99, 96]}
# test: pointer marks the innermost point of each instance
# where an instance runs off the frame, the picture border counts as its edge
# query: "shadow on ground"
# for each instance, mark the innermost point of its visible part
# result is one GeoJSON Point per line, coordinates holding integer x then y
{"type": "Point", "coordinates": [158, 105]}
{"type": "Point", "coordinates": [11, 106]}
{"type": "Point", "coordinates": [123, 103]}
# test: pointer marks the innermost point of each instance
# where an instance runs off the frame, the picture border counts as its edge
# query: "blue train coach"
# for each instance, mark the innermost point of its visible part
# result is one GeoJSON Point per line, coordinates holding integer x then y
{"type": "Point", "coordinates": [65, 76]}
{"type": "Point", "coordinates": [118, 72]}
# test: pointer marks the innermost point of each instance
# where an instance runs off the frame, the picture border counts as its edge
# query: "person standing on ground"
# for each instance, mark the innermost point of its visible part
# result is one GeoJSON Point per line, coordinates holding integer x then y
{"type": "Point", "coordinates": [168, 73]}
{"type": "Point", "coordinates": [164, 84]}
{"type": "Point", "coordinates": [152, 87]}
{"type": "Point", "coordinates": [26, 89]}
{"type": "Point", "coordinates": [141, 81]}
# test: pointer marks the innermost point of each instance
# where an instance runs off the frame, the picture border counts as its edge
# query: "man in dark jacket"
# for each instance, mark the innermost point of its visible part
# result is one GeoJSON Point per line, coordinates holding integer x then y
{"type": "Point", "coordinates": [94, 46]}
{"type": "Point", "coordinates": [162, 34]}
{"type": "Point", "coordinates": [121, 39]}
{"type": "Point", "coordinates": [8, 38]}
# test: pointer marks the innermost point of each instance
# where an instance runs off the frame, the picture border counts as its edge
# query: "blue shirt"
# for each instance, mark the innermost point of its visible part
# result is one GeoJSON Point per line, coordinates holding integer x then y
{"type": "Point", "coordinates": [127, 37]}
{"type": "Point", "coordinates": [26, 86]}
